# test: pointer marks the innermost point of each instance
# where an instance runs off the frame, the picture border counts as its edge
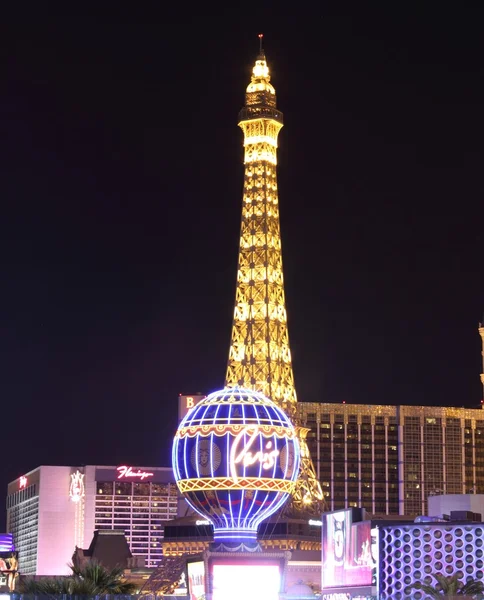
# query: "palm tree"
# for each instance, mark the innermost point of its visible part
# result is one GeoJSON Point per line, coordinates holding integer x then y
{"type": "Point", "coordinates": [56, 586]}
{"type": "Point", "coordinates": [450, 586]}
{"type": "Point", "coordinates": [105, 581]}
{"type": "Point", "coordinates": [93, 579]}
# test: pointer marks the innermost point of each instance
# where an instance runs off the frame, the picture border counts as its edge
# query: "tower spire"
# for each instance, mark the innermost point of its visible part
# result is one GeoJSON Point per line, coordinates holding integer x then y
{"type": "Point", "coordinates": [261, 37]}
{"type": "Point", "coordinates": [481, 333]}
{"type": "Point", "coordinates": [259, 356]}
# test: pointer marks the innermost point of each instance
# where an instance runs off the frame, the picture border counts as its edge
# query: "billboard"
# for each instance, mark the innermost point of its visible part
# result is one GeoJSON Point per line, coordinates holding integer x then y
{"type": "Point", "coordinates": [8, 571]}
{"type": "Point", "coordinates": [196, 580]}
{"type": "Point", "coordinates": [360, 564]}
{"type": "Point", "coordinates": [347, 551]}
{"type": "Point", "coordinates": [246, 581]}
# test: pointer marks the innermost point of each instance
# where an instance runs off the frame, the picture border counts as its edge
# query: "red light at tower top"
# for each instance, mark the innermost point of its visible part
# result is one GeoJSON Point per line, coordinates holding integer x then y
{"type": "Point", "coordinates": [261, 35]}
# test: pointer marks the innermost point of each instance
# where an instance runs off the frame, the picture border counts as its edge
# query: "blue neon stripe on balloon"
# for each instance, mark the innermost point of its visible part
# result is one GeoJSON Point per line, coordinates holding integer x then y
{"type": "Point", "coordinates": [245, 522]}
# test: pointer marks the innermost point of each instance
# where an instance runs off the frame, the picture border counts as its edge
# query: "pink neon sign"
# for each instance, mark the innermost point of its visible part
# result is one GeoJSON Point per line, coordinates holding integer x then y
{"type": "Point", "coordinates": [127, 472]}
{"type": "Point", "coordinates": [76, 489]}
{"type": "Point", "coordinates": [22, 482]}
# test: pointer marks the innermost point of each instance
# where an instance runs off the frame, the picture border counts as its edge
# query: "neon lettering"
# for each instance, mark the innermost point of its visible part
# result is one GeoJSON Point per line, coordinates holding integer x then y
{"type": "Point", "coordinates": [23, 482]}
{"type": "Point", "coordinates": [125, 472]}
{"type": "Point", "coordinates": [247, 458]}
{"type": "Point", "coordinates": [190, 402]}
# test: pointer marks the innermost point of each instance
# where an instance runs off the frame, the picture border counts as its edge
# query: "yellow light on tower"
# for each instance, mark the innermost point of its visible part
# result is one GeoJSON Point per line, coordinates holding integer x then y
{"type": "Point", "coordinates": [259, 355]}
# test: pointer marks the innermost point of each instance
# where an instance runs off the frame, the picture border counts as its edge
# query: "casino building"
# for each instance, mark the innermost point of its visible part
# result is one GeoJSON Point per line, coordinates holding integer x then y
{"type": "Point", "coordinates": [53, 509]}
{"type": "Point", "coordinates": [389, 459]}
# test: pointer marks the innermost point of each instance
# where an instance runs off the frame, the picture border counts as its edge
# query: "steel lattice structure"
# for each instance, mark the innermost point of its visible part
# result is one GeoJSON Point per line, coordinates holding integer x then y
{"type": "Point", "coordinates": [164, 580]}
{"type": "Point", "coordinates": [259, 356]}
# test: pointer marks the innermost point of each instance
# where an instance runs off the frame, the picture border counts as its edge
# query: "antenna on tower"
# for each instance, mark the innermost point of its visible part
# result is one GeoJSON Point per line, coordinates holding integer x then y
{"type": "Point", "coordinates": [261, 35]}
{"type": "Point", "coordinates": [481, 333]}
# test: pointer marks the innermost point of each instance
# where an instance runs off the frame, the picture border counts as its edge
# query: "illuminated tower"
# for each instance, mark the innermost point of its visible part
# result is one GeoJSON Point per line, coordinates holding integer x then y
{"type": "Point", "coordinates": [259, 357]}
{"type": "Point", "coordinates": [481, 333]}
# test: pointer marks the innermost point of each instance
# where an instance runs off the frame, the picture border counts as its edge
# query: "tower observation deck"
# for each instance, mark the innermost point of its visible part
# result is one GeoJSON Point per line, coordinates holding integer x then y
{"type": "Point", "coordinates": [260, 356]}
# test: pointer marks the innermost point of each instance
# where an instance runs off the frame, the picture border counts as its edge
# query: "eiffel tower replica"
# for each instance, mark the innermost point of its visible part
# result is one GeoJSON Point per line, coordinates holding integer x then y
{"type": "Point", "coordinates": [259, 356]}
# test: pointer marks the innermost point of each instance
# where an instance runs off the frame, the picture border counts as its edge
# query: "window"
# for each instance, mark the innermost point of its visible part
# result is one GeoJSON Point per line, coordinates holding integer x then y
{"type": "Point", "coordinates": [161, 489]}
{"type": "Point", "coordinates": [141, 489]}
{"type": "Point", "coordinates": [123, 488]}
{"type": "Point", "coordinates": [105, 487]}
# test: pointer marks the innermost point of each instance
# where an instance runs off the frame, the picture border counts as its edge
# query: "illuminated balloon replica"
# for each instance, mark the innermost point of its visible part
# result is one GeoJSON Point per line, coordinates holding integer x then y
{"type": "Point", "coordinates": [236, 460]}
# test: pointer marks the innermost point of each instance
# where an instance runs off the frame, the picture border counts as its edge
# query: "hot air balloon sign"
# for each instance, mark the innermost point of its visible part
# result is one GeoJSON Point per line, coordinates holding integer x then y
{"type": "Point", "coordinates": [236, 460]}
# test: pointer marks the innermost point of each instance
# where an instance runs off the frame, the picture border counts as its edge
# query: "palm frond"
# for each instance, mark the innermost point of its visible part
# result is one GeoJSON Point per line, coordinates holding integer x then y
{"type": "Point", "coordinates": [91, 579]}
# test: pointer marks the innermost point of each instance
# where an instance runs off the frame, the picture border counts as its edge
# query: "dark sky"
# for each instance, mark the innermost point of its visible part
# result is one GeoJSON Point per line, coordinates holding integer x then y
{"type": "Point", "coordinates": [121, 180]}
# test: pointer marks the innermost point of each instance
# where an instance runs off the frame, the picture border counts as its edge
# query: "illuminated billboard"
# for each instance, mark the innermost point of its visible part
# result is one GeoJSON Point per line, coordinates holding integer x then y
{"type": "Point", "coordinates": [360, 565]}
{"type": "Point", "coordinates": [196, 580]}
{"type": "Point", "coordinates": [246, 582]}
{"type": "Point", "coordinates": [347, 551]}
{"type": "Point", "coordinates": [8, 571]}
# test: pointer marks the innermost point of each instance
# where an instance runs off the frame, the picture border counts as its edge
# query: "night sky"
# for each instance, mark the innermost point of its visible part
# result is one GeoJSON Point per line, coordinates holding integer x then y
{"type": "Point", "coordinates": [121, 184]}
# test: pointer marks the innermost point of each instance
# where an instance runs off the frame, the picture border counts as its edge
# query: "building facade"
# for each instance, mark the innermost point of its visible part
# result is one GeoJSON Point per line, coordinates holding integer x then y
{"type": "Point", "coordinates": [389, 459]}
{"type": "Point", "coordinates": [192, 535]}
{"type": "Point", "coordinates": [364, 559]}
{"type": "Point", "coordinates": [53, 509]}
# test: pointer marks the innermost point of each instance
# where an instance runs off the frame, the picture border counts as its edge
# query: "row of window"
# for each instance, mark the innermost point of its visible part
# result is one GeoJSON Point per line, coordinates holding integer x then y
{"type": "Point", "coordinates": [450, 422]}
{"type": "Point", "coordinates": [128, 501]}
{"type": "Point", "coordinates": [130, 488]}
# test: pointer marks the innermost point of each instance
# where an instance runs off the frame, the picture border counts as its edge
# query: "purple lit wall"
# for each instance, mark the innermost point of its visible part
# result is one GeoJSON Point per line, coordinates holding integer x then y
{"type": "Point", "coordinates": [413, 552]}
{"type": "Point", "coordinates": [6, 542]}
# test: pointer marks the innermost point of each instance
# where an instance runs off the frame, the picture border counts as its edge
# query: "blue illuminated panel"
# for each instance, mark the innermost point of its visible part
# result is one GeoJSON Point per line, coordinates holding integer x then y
{"type": "Point", "coordinates": [6, 542]}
